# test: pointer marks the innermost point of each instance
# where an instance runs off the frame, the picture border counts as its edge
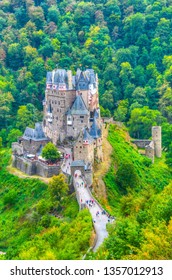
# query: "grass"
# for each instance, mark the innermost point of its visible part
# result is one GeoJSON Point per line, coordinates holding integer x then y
{"type": "Point", "coordinates": [27, 224]}
{"type": "Point", "coordinates": [157, 175]}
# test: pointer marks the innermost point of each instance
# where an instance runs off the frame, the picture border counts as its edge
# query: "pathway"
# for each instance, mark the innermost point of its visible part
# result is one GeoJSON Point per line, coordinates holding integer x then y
{"type": "Point", "coordinates": [100, 220]}
{"type": "Point", "coordinates": [83, 196]}
{"type": "Point", "coordinates": [67, 161]}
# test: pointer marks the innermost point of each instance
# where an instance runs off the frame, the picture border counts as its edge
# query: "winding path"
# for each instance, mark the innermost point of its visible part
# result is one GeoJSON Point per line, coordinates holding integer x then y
{"type": "Point", "coordinates": [84, 198]}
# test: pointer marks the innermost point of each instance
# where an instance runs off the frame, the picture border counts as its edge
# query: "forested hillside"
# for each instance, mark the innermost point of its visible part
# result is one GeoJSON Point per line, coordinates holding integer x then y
{"type": "Point", "coordinates": [140, 197]}
{"type": "Point", "coordinates": [128, 43]}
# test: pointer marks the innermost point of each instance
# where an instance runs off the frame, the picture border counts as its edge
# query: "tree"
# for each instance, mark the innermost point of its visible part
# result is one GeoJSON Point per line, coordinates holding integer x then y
{"type": "Point", "coordinates": [139, 95]}
{"type": "Point", "coordinates": [13, 136]}
{"type": "Point", "coordinates": [9, 198]}
{"type": "Point", "coordinates": [165, 103]}
{"type": "Point", "coordinates": [120, 113]}
{"type": "Point", "coordinates": [15, 56]}
{"type": "Point", "coordinates": [141, 121]}
{"type": "Point", "coordinates": [6, 100]}
{"type": "Point", "coordinates": [50, 152]}
{"type": "Point", "coordinates": [166, 135]}
{"type": "Point", "coordinates": [27, 115]}
{"type": "Point", "coordinates": [58, 189]}
{"type": "Point", "coordinates": [126, 176]}
{"type": "Point", "coordinates": [37, 16]}
{"type": "Point", "coordinates": [37, 69]}
{"type": "Point", "coordinates": [169, 156]}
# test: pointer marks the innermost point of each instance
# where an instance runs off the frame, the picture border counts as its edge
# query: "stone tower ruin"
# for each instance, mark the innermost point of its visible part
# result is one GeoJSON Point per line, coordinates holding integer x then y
{"type": "Point", "coordinates": [156, 137]}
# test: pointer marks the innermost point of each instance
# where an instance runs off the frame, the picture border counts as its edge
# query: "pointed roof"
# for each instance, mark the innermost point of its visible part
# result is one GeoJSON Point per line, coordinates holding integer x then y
{"type": "Point", "coordinates": [87, 136]}
{"type": "Point", "coordinates": [79, 107]}
{"type": "Point", "coordinates": [35, 134]}
{"type": "Point", "coordinates": [95, 131]}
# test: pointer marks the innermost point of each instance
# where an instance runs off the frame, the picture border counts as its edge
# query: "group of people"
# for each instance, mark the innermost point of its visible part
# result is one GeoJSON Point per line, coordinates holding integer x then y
{"type": "Point", "coordinates": [90, 202]}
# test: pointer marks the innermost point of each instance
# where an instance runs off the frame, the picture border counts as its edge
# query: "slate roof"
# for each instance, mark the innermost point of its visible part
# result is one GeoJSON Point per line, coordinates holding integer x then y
{"type": "Point", "coordinates": [95, 131]}
{"type": "Point", "coordinates": [60, 76]}
{"type": "Point", "coordinates": [87, 136]}
{"type": "Point", "coordinates": [78, 163]}
{"type": "Point", "coordinates": [35, 134]}
{"type": "Point", "coordinates": [79, 107]}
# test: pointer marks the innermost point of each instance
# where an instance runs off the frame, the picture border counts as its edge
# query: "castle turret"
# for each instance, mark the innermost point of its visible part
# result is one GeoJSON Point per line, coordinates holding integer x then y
{"type": "Point", "coordinates": [156, 137]}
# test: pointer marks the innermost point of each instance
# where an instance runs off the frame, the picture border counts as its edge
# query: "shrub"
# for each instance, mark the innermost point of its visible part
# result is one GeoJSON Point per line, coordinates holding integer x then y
{"type": "Point", "coordinates": [10, 198]}
{"type": "Point", "coordinates": [126, 176]}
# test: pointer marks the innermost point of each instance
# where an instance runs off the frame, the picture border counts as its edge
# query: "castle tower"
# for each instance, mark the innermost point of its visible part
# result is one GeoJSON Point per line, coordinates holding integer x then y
{"type": "Point", "coordinates": [156, 137]}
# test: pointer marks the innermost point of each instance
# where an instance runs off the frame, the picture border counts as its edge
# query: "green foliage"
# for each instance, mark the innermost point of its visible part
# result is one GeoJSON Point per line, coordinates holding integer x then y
{"type": "Point", "coordinates": [126, 176]}
{"type": "Point", "coordinates": [50, 152]}
{"type": "Point", "coordinates": [27, 116]}
{"type": "Point", "coordinates": [0, 142]}
{"type": "Point", "coordinates": [29, 227]}
{"type": "Point", "coordinates": [9, 198]}
{"type": "Point", "coordinates": [169, 156]}
{"type": "Point", "coordinates": [13, 136]}
{"type": "Point", "coordinates": [143, 226]}
{"type": "Point", "coordinates": [128, 44]}
{"type": "Point", "coordinates": [58, 189]}
{"type": "Point", "coordinates": [141, 121]}
{"type": "Point", "coordinates": [121, 113]}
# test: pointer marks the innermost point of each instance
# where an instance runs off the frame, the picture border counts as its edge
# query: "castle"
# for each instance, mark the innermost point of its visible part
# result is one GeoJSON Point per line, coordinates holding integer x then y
{"type": "Point", "coordinates": [71, 119]}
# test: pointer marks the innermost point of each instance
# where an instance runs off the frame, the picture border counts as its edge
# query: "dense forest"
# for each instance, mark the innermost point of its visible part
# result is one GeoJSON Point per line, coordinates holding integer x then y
{"type": "Point", "coordinates": [129, 44]}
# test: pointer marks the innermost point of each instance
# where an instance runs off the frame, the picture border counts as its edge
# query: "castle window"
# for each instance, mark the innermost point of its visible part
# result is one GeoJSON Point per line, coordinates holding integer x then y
{"type": "Point", "coordinates": [59, 102]}
{"type": "Point", "coordinates": [56, 118]}
{"type": "Point", "coordinates": [80, 152]}
{"type": "Point", "coordinates": [81, 117]}
{"type": "Point", "coordinates": [81, 121]}
{"type": "Point", "coordinates": [81, 147]}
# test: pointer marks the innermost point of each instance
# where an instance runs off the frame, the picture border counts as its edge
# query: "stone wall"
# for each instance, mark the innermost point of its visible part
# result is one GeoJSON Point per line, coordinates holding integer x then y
{"type": "Point", "coordinates": [88, 177]}
{"type": "Point", "coordinates": [78, 122]}
{"type": "Point", "coordinates": [74, 168]}
{"type": "Point", "coordinates": [35, 167]}
{"type": "Point", "coordinates": [25, 165]}
{"type": "Point", "coordinates": [32, 147]}
{"type": "Point", "coordinates": [149, 151]}
{"type": "Point", "coordinates": [141, 143]}
{"type": "Point", "coordinates": [17, 148]}
{"type": "Point", "coordinates": [60, 102]}
{"type": "Point", "coordinates": [98, 150]}
{"type": "Point", "coordinates": [45, 170]}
